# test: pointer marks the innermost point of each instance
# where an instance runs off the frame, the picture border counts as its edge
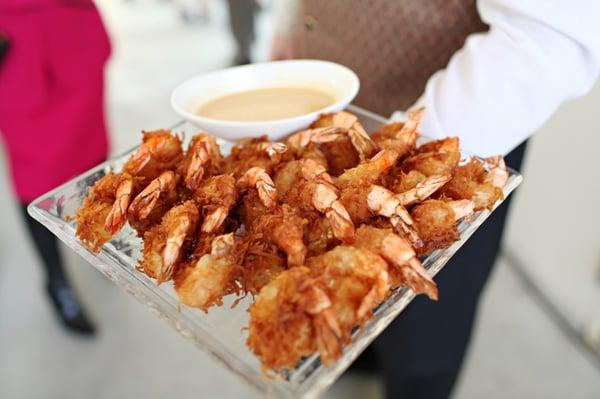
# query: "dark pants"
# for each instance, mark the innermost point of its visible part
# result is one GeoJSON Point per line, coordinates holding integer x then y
{"type": "Point", "coordinates": [46, 245]}
{"type": "Point", "coordinates": [420, 354]}
{"type": "Point", "coordinates": [241, 21]}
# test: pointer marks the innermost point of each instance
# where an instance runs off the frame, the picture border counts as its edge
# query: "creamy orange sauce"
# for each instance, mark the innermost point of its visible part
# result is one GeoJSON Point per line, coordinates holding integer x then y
{"type": "Point", "coordinates": [266, 104]}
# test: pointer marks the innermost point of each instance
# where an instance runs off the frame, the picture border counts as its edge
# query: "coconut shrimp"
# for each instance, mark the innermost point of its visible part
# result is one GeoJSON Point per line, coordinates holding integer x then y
{"type": "Point", "coordinates": [355, 184]}
{"type": "Point", "coordinates": [435, 222]}
{"type": "Point", "coordinates": [370, 171]}
{"type": "Point", "coordinates": [497, 174]}
{"type": "Point", "coordinates": [160, 151]}
{"type": "Point", "coordinates": [298, 141]}
{"type": "Point", "coordinates": [295, 190]}
{"type": "Point", "coordinates": [340, 139]}
{"type": "Point", "coordinates": [355, 279]}
{"type": "Point", "coordinates": [313, 152]}
{"type": "Point", "coordinates": [293, 173]}
{"type": "Point", "coordinates": [104, 210]}
{"type": "Point", "coordinates": [206, 281]}
{"type": "Point", "coordinates": [149, 206]}
{"type": "Point", "coordinates": [202, 159]}
{"type": "Point", "coordinates": [481, 182]}
{"type": "Point", "coordinates": [330, 146]}
{"type": "Point", "coordinates": [305, 184]}
{"type": "Point", "coordinates": [215, 198]}
{"type": "Point", "coordinates": [325, 200]}
{"type": "Point", "coordinates": [285, 228]}
{"type": "Point", "coordinates": [355, 132]}
{"type": "Point", "coordinates": [262, 263]}
{"type": "Point", "coordinates": [305, 145]}
{"type": "Point", "coordinates": [340, 223]}
{"type": "Point", "coordinates": [319, 236]}
{"type": "Point", "coordinates": [434, 158]}
{"type": "Point", "coordinates": [165, 244]}
{"type": "Point", "coordinates": [255, 152]}
{"type": "Point", "coordinates": [400, 136]}
{"type": "Point", "coordinates": [279, 224]}
{"type": "Point", "coordinates": [259, 179]}
{"type": "Point", "coordinates": [292, 318]}
{"type": "Point", "coordinates": [287, 177]}
{"type": "Point", "coordinates": [399, 182]}
{"type": "Point", "coordinates": [422, 190]}
{"type": "Point", "coordinates": [385, 203]}
{"type": "Point", "coordinates": [406, 268]}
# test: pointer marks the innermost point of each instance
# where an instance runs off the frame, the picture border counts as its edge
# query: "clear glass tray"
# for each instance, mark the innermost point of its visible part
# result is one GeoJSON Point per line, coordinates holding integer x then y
{"type": "Point", "coordinates": [221, 331]}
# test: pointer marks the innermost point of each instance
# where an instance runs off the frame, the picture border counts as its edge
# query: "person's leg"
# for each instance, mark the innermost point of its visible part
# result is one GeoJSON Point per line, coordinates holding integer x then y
{"type": "Point", "coordinates": [64, 117]}
{"type": "Point", "coordinates": [241, 20]}
{"type": "Point", "coordinates": [422, 351]}
{"type": "Point", "coordinates": [62, 297]}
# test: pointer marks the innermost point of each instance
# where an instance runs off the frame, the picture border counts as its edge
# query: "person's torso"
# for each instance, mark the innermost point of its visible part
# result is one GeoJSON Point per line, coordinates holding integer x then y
{"type": "Point", "coordinates": [393, 45]}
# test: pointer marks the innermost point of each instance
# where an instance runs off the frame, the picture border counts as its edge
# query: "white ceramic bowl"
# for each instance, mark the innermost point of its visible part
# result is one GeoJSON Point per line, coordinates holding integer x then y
{"type": "Point", "coordinates": [329, 77]}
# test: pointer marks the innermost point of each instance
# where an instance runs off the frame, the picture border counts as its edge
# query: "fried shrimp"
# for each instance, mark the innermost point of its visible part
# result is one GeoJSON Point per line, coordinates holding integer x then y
{"type": "Point", "coordinates": [259, 179]}
{"type": "Point", "coordinates": [165, 243]}
{"type": "Point", "coordinates": [205, 282]}
{"type": "Point", "coordinates": [202, 159]}
{"type": "Point", "coordinates": [398, 136]}
{"type": "Point", "coordinates": [262, 263]}
{"type": "Point", "coordinates": [282, 225]}
{"type": "Point", "coordinates": [355, 184]}
{"type": "Point", "coordinates": [149, 206]}
{"type": "Point", "coordinates": [438, 157]}
{"type": "Point", "coordinates": [472, 181]}
{"type": "Point", "coordinates": [118, 213]}
{"type": "Point", "coordinates": [215, 198]}
{"type": "Point", "coordinates": [385, 203]}
{"type": "Point", "coordinates": [360, 139]}
{"type": "Point", "coordinates": [400, 182]}
{"type": "Point", "coordinates": [406, 268]}
{"type": "Point", "coordinates": [370, 171]}
{"type": "Point", "coordinates": [285, 228]}
{"type": "Point", "coordinates": [104, 210]}
{"type": "Point", "coordinates": [355, 279]}
{"type": "Point", "coordinates": [317, 230]}
{"type": "Point", "coordinates": [325, 200]}
{"type": "Point", "coordinates": [422, 190]}
{"type": "Point", "coordinates": [302, 139]}
{"type": "Point", "coordinates": [339, 137]}
{"type": "Point", "coordinates": [160, 151]}
{"type": "Point", "coordinates": [307, 185]}
{"type": "Point", "coordinates": [255, 152]}
{"type": "Point", "coordinates": [435, 222]}
{"type": "Point", "coordinates": [291, 318]}
{"type": "Point", "coordinates": [497, 174]}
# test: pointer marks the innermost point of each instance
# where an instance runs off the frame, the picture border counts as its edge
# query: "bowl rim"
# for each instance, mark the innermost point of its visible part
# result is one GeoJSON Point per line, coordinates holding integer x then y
{"type": "Point", "coordinates": [179, 109]}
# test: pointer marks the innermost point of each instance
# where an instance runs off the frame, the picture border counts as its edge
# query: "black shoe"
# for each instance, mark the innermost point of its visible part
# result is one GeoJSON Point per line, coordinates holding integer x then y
{"type": "Point", "coordinates": [68, 309]}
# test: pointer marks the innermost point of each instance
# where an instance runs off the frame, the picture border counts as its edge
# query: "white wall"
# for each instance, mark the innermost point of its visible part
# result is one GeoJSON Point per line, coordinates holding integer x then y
{"type": "Point", "coordinates": [555, 224]}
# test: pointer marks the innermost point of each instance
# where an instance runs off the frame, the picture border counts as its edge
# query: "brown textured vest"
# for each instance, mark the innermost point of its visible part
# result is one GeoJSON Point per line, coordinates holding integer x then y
{"type": "Point", "coordinates": [393, 45]}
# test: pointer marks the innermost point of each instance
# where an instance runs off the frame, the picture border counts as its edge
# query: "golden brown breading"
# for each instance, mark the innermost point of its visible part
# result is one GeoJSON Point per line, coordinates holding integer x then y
{"type": "Point", "coordinates": [435, 222]}
{"type": "Point", "coordinates": [160, 151]}
{"type": "Point", "coordinates": [469, 182]}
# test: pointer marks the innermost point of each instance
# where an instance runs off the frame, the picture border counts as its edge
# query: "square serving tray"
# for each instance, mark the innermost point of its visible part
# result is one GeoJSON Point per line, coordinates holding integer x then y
{"type": "Point", "coordinates": [221, 331]}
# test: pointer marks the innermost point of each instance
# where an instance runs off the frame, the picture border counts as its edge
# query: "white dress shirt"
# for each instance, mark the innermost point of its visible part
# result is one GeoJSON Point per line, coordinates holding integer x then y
{"type": "Point", "coordinates": [505, 83]}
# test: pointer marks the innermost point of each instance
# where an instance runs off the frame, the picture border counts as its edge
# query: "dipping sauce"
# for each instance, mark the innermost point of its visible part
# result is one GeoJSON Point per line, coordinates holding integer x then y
{"type": "Point", "coordinates": [266, 104]}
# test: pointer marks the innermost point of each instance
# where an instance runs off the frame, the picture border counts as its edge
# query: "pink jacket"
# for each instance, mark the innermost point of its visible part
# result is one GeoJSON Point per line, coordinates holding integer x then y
{"type": "Point", "coordinates": [52, 91]}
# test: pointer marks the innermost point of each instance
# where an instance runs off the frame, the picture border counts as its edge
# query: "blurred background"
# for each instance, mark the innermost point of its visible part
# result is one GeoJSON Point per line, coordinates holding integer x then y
{"type": "Point", "coordinates": [538, 334]}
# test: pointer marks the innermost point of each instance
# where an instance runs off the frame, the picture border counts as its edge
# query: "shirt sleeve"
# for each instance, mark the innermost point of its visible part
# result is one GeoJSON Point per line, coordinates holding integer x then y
{"type": "Point", "coordinates": [505, 83]}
